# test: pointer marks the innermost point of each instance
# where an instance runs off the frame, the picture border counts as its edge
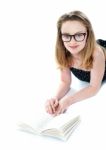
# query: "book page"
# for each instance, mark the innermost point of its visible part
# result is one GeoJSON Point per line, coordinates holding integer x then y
{"type": "Point", "coordinates": [61, 126]}
{"type": "Point", "coordinates": [69, 131]}
{"type": "Point", "coordinates": [60, 121]}
{"type": "Point", "coordinates": [50, 125]}
{"type": "Point", "coordinates": [35, 126]}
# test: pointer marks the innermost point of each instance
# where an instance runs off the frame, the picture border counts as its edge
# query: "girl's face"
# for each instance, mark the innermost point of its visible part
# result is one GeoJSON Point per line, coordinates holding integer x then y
{"type": "Point", "coordinates": [74, 36]}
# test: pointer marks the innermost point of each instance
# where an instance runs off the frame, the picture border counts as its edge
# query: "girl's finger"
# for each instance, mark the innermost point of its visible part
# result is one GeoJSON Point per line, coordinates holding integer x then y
{"type": "Point", "coordinates": [52, 105]}
{"type": "Point", "coordinates": [56, 103]}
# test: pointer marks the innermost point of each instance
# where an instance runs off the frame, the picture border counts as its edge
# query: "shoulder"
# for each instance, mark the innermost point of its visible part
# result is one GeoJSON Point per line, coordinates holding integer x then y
{"type": "Point", "coordinates": [65, 74]}
{"type": "Point", "coordinates": [65, 70]}
{"type": "Point", "coordinates": [97, 71]}
{"type": "Point", "coordinates": [98, 57]}
{"type": "Point", "coordinates": [98, 53]}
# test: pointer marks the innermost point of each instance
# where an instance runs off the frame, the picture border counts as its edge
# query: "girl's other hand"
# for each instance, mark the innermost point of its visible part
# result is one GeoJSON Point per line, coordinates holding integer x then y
{"type": "Point", "coordinates": [51, 105]}
{"type": "Point", "coordinates": [62, 107]}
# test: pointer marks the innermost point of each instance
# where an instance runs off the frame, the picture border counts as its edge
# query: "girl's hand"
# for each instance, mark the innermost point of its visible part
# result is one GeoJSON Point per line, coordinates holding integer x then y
{"type": "Point", "coordinates": [51, 105]}
{"type": "Point", "coordinates": [62, 107]}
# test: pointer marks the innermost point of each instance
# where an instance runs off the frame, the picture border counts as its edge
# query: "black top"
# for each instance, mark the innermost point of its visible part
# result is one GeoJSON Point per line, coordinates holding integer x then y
{"type": "Point", "coordinates": [85, 75]}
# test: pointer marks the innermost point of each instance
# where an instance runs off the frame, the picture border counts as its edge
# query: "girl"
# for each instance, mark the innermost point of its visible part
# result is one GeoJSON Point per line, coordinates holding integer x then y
{"type": "Point", "coordinates": [78, 52]}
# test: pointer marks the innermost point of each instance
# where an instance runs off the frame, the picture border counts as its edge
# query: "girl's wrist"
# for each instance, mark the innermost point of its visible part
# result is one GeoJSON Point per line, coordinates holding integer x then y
{"type": "Point", "coordinates": [56, 97]}
{"type": "Point", "coordinates": [70, 100]}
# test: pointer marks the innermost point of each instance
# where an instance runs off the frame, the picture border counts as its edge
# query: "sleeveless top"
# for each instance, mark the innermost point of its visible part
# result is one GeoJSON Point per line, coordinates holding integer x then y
{"type": "Point", "coordinates": [85, 75]}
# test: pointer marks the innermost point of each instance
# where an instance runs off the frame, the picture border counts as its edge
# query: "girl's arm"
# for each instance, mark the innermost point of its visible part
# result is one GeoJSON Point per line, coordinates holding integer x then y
{"type": "Point", "coordinates": [64, 86]}
{"type": "Point", "coordinates": [97, 73]}
{"type": "Point", "coordinates": [64, 83]}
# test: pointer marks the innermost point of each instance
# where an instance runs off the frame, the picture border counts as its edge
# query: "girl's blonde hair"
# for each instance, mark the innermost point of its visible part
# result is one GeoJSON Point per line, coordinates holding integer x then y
{"type": "Point", "coordinates": [63, 57]}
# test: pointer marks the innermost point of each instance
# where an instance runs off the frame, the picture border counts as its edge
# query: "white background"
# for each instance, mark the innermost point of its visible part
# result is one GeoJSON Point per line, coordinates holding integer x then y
{"type": "Point", "coordinates": [28, 72]}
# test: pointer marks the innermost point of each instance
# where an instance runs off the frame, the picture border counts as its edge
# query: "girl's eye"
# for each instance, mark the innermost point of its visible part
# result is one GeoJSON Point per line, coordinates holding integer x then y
{"type": "Point", "coordinates": [66, 36]}
{"type": "Point", "coordinates": [78, 35]}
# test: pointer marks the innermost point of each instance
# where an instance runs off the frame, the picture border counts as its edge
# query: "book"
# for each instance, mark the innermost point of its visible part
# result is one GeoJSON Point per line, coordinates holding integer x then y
{"type": "Point", "coordinates": [60, 127]}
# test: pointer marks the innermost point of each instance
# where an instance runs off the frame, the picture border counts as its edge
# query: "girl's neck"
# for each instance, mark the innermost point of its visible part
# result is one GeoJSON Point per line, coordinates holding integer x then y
{"type": "Point", "coordinates": [76, 61]}
{"type": "Point", "coordinates": [76, 57]}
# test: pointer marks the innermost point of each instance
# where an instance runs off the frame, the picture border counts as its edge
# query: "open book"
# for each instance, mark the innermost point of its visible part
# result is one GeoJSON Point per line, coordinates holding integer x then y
{"type": "Point", "coordinates": [60, 127]}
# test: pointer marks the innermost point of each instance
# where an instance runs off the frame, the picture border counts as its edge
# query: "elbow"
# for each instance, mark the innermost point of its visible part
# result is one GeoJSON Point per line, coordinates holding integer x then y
{"type": "Point", "coordinates": [95, 89]}
{"type": "Point", "coordinates": [66, 85]}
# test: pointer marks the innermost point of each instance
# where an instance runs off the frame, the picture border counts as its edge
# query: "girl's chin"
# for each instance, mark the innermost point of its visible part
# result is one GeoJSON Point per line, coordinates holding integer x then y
{"type": "Point", "coordinates": [74, 52]}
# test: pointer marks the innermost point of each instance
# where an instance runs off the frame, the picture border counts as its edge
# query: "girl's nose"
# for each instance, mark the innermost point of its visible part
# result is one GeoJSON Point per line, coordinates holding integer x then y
{"type": "Point", "coordinates": [72, 40]}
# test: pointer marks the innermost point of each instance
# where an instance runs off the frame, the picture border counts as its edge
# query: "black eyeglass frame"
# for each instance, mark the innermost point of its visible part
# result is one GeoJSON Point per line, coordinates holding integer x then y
{"type": "Point", "coordinates": [74, 36]}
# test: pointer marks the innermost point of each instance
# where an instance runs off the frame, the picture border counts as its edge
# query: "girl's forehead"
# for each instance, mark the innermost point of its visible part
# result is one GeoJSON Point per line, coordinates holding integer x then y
{"type": "Point", "coordinates": [72, 27]}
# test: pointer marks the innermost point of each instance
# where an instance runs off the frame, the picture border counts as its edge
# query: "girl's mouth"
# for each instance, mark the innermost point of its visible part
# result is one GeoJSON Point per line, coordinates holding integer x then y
{"type": "Point", "coordinates": [73, 47]}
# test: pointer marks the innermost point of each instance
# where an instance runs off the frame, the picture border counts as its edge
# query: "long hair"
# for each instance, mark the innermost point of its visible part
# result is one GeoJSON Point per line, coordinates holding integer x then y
{"type": "Point", "coordinates": [63, 57]}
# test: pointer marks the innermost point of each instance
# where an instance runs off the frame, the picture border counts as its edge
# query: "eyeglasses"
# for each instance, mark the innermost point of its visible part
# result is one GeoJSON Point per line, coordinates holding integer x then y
{"type": "Point", "coordinates": [79, 37]}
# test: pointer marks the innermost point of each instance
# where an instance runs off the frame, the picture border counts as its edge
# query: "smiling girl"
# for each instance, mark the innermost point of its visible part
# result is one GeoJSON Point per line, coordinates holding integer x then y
{"type": "Point", "coordinates": [79, 53]}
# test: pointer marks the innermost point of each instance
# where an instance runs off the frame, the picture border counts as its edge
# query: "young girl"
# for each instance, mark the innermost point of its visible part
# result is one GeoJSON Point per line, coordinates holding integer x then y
{"type": "Point", "coordinates": [78, 52]}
